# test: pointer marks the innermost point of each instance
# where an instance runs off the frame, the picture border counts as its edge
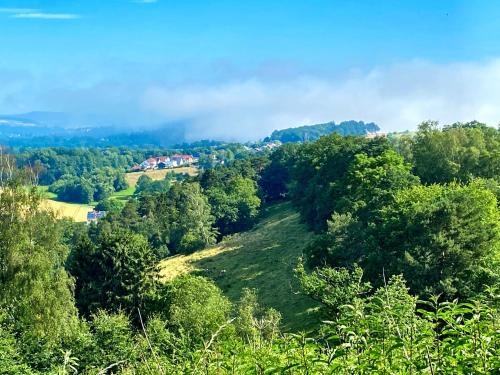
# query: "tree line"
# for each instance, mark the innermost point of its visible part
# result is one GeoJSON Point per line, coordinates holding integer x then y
{"type": "Point", "coordinates": [425, 207]}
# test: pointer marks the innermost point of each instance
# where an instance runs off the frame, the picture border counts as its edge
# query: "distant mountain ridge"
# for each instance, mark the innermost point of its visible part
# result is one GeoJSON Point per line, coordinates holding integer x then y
{"type": "Point", "coordinates": [39, 118]}
{"type": "Point", "coordinates": [307, 133]}
{"type": "Point", "coordinates": [51, 129]}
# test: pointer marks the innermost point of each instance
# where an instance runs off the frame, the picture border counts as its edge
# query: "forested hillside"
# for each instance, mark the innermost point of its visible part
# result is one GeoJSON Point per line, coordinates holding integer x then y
{"type": "Point", "coordinates": [314, 132]}
{"type": "Point", "coordinates": [385, 251]}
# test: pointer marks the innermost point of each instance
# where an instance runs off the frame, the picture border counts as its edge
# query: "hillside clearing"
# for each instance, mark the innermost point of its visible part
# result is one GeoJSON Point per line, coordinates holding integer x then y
{"type": "Point", "coordinates": [123, 195]}
{"type": "Point", "coordinates": [262, 258]}
{"type": "Point", "coordinates": [158, 174]}
{"type": "Point", "coordinates": [75, 211]}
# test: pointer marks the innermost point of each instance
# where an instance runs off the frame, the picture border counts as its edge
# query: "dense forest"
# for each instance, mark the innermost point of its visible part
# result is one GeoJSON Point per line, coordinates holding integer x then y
{"type": "Point", "coordinates": [86, 175]}
{"type": "Point", "coordinates": [404, 261]}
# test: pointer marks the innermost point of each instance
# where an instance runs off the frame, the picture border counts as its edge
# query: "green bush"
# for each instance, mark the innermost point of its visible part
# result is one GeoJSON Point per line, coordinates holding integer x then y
{"type": "Point", "coordinates": [196, 306]}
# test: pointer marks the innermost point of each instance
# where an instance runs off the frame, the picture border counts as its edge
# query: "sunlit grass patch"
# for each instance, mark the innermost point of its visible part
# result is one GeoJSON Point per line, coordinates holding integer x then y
{"type": "Point", "coordinates": [75, 211]}
{"type": "Point", "coordinates": [124, 194]}
{"type": "Point", "coordinates": [264, 259]}
{"type": "Point", "coordinates": [158, 174]}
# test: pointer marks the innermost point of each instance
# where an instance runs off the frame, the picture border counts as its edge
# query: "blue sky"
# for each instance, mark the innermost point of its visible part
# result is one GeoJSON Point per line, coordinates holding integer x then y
{"type": "Point", "coordinates": [260, 64]}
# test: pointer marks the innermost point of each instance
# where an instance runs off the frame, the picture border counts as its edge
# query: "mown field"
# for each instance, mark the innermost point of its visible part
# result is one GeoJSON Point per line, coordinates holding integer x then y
{"type": "Point", "coordinates": [158, 174]}
{"type": "Point", "coordinates": [75, 211]}
{"type": "Point", "coordinates": [124, 195]}
{"type": "Point", "coordinates": [263, 259]}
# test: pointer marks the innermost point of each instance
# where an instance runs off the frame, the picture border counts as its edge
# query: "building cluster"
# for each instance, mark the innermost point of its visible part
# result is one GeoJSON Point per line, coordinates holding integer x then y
{"type": "Point", "coordinates": [163, 162]}
{"type": "Point", "coordinates": [267, 146]}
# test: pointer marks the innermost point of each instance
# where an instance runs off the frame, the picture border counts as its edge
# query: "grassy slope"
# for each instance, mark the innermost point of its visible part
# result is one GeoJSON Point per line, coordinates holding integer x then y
{"type": "Point", "coordinates": [75, 211]}
{"type": "Point", "coordinates": [123, 195]}
{"type": "Point", "coordinates": [262, 258]}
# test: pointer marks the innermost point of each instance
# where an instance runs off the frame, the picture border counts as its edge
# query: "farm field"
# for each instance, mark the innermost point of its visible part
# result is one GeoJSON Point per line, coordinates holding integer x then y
{"type": "Point", "coordinates": [262, 258]}
{"type": "Point", "coordinates": [158, 174]}
{"type": "Point", "coordinates": [75, 211]}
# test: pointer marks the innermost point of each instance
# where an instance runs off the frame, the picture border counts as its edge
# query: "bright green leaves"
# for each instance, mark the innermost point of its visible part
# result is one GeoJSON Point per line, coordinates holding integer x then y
{"type": "Point", "coordinates": [35, 290]}
{"type": "Point", "coordinates": [444, 239]}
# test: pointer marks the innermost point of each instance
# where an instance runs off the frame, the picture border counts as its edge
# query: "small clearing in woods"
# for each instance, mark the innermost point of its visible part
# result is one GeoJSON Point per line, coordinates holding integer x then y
{"type": "Point", "coordinates": [75, 211]}
{"type": "Point", "coordinates": [262, 258]}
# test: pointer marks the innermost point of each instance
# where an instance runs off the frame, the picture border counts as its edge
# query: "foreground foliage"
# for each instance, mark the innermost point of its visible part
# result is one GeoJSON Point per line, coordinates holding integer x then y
{"type": "Point", "coordinates": [35, 289]}
{"type": "Point", "coordinates": [387, 332]}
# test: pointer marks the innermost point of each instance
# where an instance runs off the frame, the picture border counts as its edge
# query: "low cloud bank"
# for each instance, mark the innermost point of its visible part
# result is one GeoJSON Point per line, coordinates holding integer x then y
{"type": "Point", "coordinates": [397, 97]}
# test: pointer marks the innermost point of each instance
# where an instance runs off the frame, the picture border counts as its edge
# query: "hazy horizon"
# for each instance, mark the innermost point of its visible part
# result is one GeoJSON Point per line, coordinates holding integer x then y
{"type": "Point", "coordinates": [239, 70]}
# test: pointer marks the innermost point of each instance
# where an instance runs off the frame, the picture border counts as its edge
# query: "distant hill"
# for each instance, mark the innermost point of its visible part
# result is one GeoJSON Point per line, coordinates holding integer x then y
{"type": "Point", "coordinates": [313, 132]}
{"type": "Point", "coordinates": [50, 129]}
{"type": "Point", "coordinates": [94, 137]}
{"type": "Point", "coordinates": [46, 119]}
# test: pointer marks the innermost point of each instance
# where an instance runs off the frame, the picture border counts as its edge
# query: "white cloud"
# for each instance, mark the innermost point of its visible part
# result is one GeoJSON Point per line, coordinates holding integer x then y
{"type": "Point", "coordinates": [46, 16]}
{"type": "Point", "coordinates": [146, 1]}
{"type": "Point", "coordinates": [397, 97]}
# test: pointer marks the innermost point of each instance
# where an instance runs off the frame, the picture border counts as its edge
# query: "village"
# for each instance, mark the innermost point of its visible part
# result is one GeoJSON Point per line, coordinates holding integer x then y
{"type": "Point", "coordinates": [165, 162]}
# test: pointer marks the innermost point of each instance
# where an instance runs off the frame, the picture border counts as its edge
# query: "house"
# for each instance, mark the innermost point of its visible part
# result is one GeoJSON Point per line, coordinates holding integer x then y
{"type": "Point", "coordinates": [177, 160]}
{"type": "Point", "coordinates": [272, 145]}
{"type": "Point", "coordinates": [182, 159]}
{"type": "Point", "coordinates": [93, 216]}
{"type": "Point", "coordinates": [163, 159]}
{"type": "Point", "coordinates": [188, 159]}
{"type": "Point", "coordinates": [167, 164]}
{"type": "Point", "coordinates": [152, 163]}
{"type": "Point", "coordinates": [149, 163]}
{"type": "Point", "coordinates": [264, 147]}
